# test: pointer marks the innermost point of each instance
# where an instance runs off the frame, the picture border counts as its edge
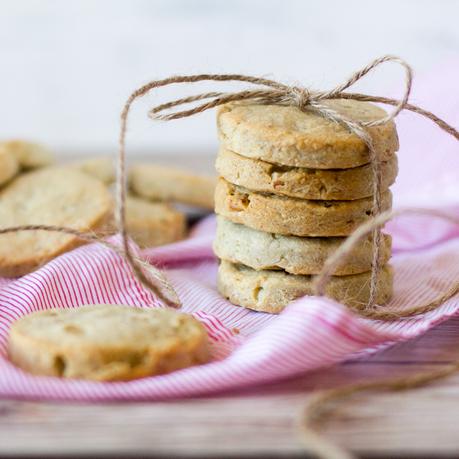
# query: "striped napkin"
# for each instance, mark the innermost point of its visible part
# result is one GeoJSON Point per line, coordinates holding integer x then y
{"type": "Point", "coordinates": [252, 348]}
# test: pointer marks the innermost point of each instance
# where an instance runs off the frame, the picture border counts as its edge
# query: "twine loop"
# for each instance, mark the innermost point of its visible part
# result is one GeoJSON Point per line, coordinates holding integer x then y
{"type": "Point", "coordinates": [263, 91]}
{"type": "Point", "coordinates": [268, 91]}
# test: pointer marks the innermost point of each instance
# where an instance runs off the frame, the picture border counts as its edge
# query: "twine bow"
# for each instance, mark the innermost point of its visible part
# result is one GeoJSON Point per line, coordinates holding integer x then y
{"type": "Point", "coordinates": [266, 92]}
{"type": "Point", "coordinates": [275, 93]}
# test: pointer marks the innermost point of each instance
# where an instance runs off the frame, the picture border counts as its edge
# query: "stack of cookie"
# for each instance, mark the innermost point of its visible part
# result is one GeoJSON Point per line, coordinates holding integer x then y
{"type": "Point", "coordinates": [292, 186]}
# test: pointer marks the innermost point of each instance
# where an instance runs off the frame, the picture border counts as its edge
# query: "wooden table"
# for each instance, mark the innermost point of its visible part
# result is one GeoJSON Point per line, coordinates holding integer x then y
{"type": "Point", "coordinates": [260, 422]}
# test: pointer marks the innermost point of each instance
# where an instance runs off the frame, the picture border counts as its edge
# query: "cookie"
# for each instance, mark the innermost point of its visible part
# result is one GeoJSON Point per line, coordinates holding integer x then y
{"type": "Point", "coordinates": [153, 223]}
{"type": "Point", "coordinates": [107, 342]}
{"type": "Point", "coordinates": [102, 168]}
{"type": "Point", "coordinates": [30, 155]}
{"type": "Point", "coordinates": [292, 216]}
{"type": "Point", "coordinates": [286, 135]}
{"type": "Point", "coordinates": [296, 255]}
{"type": "Point", "coordinates": [271, 291]}
{"type": "Point", "coordinates": [9, 166]}
{"type": "Point", "coordinates": [49, 196]}
{"type": "Point", "coordinates": [167, 184]}
{"type": "Point", "coordinates": [329, 184]}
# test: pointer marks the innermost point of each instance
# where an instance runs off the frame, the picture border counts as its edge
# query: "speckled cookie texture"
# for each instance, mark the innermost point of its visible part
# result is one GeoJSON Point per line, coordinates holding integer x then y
{"type": "Point", "coordinates": [296, 255]}
{"type": "Point", "coordinates": [160, 183]}
{"type": "Point", "coordinates": [9, 165]}
{"type": "Point", "coordinates": [288, 136]}
{"type": "Point", "coordinates": [271, 291]}
{"type": "Point", "coordinates": [30, 155]}
{"type": "Point", "coordinates": [325, 184]}
{"type": "Point", "coordinates": [49, 196]}
{"type": "Point", "coordinates": [291, 216]}
{"type": "Point", "coordinates": [107, 342]}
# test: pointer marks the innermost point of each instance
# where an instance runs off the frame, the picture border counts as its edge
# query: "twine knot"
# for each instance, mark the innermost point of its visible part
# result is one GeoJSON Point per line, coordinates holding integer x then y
{"type": "Point", "coordinates": [274, 93]}
{"type": "Point", "coordinates": [270, 92]}
{"type": "Point", "coordinates": [300, 97]}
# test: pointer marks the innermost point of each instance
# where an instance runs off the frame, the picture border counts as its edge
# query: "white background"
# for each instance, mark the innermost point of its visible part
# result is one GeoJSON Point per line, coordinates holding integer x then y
{"type": "Point", "coordinates": [68, 66]}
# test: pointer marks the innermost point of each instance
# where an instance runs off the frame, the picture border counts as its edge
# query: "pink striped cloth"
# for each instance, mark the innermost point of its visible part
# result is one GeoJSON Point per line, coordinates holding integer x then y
{"type": "Point", "coordinates": [252, 348]}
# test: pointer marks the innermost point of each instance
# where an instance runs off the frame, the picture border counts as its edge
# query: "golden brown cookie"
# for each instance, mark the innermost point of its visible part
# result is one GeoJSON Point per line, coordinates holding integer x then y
{"type": "Point", "coordinates": [292, 216]}
{"type": "Point", "coordinates": [49, 196]}
{"type": "Point", "coordinates": [30, 155]}
{"type": "Point", "coordinates": [9, 166]}
{"type": "Point", "coordinates": [296, 255]}
{"type": "Point", "coordinates": [286, 135]}
{"type": "Point", "coordinates": [168, 184]}
{"type": "Point", "coordinates": [271, 291]}
{"type": "Point", "coordinates": [107, 342]}
{"type": "Point", "coordinates": [153, 223]}
{"type": "Point", "coordinates": [328, 184]}
{"type": "Point", "coordinates": [102, 168]}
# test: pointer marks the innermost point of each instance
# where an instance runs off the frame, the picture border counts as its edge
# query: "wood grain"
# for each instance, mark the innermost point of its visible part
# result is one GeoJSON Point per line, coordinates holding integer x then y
{"type": "Point", "coordinates": [260, 422]}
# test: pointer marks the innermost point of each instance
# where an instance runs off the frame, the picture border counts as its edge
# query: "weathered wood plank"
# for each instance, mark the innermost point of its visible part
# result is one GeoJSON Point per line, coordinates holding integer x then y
{"type": "Point", "coordinates": [262, 425]}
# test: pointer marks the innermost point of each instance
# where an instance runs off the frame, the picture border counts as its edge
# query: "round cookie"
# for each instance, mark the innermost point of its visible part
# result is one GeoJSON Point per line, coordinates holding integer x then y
{"type": "Point", "coordinates": [153, 223]}
{"type": "Point", "coordinates": [9, 165]}
{"type": "Point", "coordinates": [331, 184]}
{"type": "Point", "coordinates": [292, 216]}
{"type": "Point", "coordinates": [107, 342]}
{"type": "Point", "coordinates": [30, 155]}
{"type": "Point", "coordinates": [161, 183]}
{"type": "Point", "coordinates": [286, 135]}
{"type": "Point", "coordinates": [101, 168]}
{"type": "Point", "coordinates": [271, 291]}
{"type": "Point", "coordinates": [49, 196]}
{"type": "Point", "coordinates": [296, 255]}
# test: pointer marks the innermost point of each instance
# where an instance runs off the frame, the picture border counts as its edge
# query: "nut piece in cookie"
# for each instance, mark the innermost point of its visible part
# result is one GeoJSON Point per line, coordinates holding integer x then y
{"type": "Point", "coordinates": [107, 342]}
{"type": "Point", "coordinates": [301, 182]}
{"type": "Point", "coordinates": [54, 196]}
{"type": "Point", "coordinates": [292, 216]}
{"type": "Point", "coordinates": [271, 291]}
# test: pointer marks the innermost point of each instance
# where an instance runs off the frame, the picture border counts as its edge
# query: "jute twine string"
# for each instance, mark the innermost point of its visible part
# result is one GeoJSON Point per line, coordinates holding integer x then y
{"type": "Point", "coordinates": [357, 236]}
{"type": "Point", "coordinates": [92, 237]}
{"type": "Point", "coordinates": [321, 405]}
{"type": "Point", "coordinates": [275, 93]}
{"type": "Point", "coordinates": [266, 92]}
{"type": "Point", "coordinates": [272, 92]}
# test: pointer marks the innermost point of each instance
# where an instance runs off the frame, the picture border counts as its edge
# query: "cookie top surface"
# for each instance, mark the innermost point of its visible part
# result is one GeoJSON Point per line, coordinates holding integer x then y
{"type": "Point", "coordinates": [9, 165]}
{"type": "Point", "coordinates": [149, 212]}
{"type": "Point", "coordinates": [162, 183]}
{"type": "Point", "coordinates": [30, 155]}
{"type": "Point", "coordinates": [107, 342]}
{"type": "Point", "coordinates": [153, 223]}
{"type": "Point", "coordinates": [102, 168]}
{"type": "Point", "coordinates": [108, 326]}
{"type": "Point", "coordinates": [287, 135]}
{"type": "Point", "coordinates": [49, 196]}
